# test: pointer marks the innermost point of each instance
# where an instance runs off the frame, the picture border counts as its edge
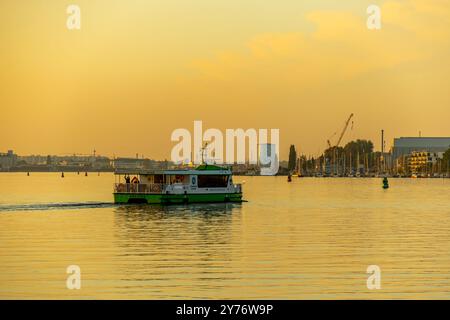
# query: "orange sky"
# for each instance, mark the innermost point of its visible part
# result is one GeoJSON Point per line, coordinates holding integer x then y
{"type": "Point", "coordinates": [137, 70]}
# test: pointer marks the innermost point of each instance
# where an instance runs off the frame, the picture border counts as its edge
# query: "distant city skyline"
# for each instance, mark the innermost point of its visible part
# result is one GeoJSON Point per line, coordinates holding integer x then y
{"type": "Point", "coordinates": [409, 143]}
{"type": "Point", "coordinates": [136, 71]}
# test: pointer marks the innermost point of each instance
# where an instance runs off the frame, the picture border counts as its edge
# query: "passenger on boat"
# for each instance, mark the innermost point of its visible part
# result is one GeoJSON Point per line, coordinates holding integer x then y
{"type": "Point", "coordinates": [127, 183]}
{"type": "Point", "coordinates": [134, 184]}
{"type": "Point", "coordinates": [121, 187]}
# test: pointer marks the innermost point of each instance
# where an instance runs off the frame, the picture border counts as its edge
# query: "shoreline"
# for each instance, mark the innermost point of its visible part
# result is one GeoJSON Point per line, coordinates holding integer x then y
{"type": "Point", "coordinates": [441, 176]}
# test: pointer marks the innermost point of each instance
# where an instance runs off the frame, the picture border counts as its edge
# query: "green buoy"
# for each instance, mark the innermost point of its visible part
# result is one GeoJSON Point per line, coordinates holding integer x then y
{"type": "Point", "coordinates": [385, 183]}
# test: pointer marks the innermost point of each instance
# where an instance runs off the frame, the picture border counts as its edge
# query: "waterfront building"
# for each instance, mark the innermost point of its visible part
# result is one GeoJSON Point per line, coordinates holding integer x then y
{"type": "Point", "coordinates": [32, 159]}
{"type": "Point", "coordinates": [7, 160]}
{"type": "Point", "coordinates": [403, 147]}
{"type": "Point", "coordinates": [423, 162]}
{"type": "Point", "coordinates": [245, 169]}
{"type": "Point", "coordinates": [101, 163]}
{"type": "Point", "coordinates": [401, 165]}
{"type": "Point", "coordinates": [406, 145]}
{"type": "Point", "coordinates": [136, 163]}
{"type": "Point", "coordinates": [128, 163]}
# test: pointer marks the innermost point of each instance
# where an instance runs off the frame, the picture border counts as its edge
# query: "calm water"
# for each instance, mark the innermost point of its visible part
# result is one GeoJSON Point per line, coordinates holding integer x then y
{"type": "Point", "coordinates": [313, 238]}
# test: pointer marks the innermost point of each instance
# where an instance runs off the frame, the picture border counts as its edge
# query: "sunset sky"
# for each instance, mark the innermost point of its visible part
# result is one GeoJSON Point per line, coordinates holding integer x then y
{"type": "Point", "coordinates": [139, 69]}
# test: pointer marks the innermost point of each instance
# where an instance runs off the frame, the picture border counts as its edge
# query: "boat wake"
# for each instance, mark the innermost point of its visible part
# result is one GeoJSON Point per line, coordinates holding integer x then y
{"type": "Point", "coordinates": [54, 206]}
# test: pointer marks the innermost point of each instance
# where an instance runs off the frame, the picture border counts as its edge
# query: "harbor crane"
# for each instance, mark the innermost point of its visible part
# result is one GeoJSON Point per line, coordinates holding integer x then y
{"type": "Point", "coordinates": [328, 140]}
{"type": "Point", "coordinates": [342, 133]}
{"type": "Point", "coordinates": [335, 170]}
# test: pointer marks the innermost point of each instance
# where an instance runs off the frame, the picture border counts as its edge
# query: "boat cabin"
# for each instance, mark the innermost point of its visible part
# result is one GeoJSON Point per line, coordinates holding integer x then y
{"type": "Point", "coordinates": [205, 179]}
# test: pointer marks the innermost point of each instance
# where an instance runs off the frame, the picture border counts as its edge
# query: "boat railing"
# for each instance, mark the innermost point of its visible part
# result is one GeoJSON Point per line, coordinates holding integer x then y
{"type": "Point", "coordinates": [138, 187]}
{"type": "Point", "coordinates": [157, 187]}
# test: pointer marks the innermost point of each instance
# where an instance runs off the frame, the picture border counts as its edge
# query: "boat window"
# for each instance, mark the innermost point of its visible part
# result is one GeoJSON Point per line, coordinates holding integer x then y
{"type": "Point", "coordinates": [179, 178]}
{"type": "Point", "coordinates": [158, 178]}
{"type": "Point", "coordinates": [209, 181]}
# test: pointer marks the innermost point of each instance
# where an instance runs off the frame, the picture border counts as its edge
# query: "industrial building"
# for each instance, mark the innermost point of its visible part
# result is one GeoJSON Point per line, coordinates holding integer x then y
{"type": "Point", "coordinates": [405, 146]}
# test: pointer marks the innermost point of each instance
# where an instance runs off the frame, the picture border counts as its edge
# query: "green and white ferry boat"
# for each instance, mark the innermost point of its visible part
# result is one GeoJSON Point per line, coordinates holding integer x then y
{"type": "Point", "coordinates": [205, 183]}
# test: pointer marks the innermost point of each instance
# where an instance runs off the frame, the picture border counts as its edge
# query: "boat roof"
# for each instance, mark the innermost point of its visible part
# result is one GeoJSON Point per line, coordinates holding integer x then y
{"type": "Point", "coordinates": [136, 171]}
{"type": "Point", "coordinates": [203, 169]}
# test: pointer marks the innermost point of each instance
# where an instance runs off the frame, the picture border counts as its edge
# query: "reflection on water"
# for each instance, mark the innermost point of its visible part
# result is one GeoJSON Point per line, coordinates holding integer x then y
{"type": "Point", "coordinates": [53, 206]}
{"type": "Point", "coordinates": [312, 238]}
{"type": "Point", "coordinates": [195, 210]}
{"type": "Point", "coordinates": [157, 227]}
{"type": "Point", "coordinates": [172, 247]}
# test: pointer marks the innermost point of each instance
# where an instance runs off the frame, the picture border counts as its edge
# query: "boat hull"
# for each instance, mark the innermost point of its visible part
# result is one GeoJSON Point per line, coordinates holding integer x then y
{"type": "Point", "coordinates": [176, 198]}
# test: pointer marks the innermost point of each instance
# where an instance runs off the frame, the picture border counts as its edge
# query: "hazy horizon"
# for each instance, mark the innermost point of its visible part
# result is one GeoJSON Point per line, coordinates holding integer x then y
{"type": "Point", "coordinates": [136, 71]}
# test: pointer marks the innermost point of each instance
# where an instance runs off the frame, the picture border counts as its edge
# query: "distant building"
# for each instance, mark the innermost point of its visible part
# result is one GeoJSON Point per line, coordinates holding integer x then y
{"type": "Point", "coordinates": [268, 159]}
{"type": "Point", "coordinates": [420, 162]}
{"type": "Point", "coordinates": [157, 165]}
{"type": "Point", "coordinates": [7, 160]}
{"type": "Point", "coordinates": [401, 164]}
{"type": "Point", "coordinates": [128, 163]}
{"type": "Point", "coordinates": [138, 164]}
{"type": "Point", "coordinates": [405, 146]}
{"type": "Point", "coordinates": [245, 169]}
{"type": "Point", "coordinates": [33, 159]}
